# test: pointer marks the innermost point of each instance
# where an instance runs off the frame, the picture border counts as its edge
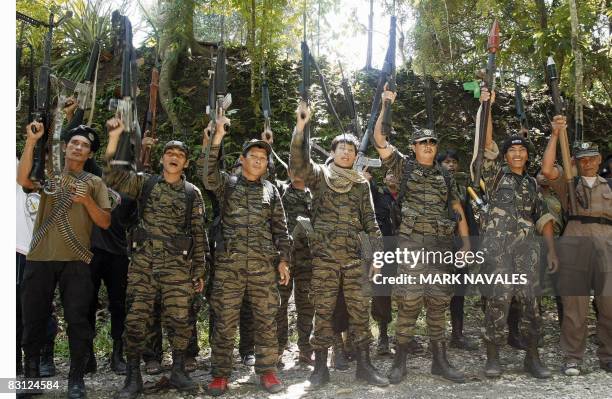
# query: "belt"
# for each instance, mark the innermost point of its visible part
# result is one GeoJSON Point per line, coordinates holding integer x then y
{"type": "Point", "coordinates": [590, 219]}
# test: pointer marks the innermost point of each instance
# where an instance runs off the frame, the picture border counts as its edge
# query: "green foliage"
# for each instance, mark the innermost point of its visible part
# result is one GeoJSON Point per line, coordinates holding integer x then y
{"type": "Point", "coordinates": [91, 21]}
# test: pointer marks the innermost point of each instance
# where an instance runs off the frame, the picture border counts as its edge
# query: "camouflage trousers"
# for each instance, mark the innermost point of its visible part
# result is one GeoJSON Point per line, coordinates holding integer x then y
{"type": "Point", "coordinates": [236, 279]}
{"type": "Point", "coordinates": [152, 273]}
{"type": "Point", "coordinates": [153, 347]}
{"type": "Point", "coordinates": [301, 274]}
{"type": "Point", "coordinates": [520, 258]}
{"type": "Point", "coordinates": [328, 276]}
{"type": "Point", "coordinates": [412, 298]}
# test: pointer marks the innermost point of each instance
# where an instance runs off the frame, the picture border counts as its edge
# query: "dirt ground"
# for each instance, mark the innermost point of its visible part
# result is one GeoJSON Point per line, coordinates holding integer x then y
{"type": "Point", "coordinates": [593, 383]}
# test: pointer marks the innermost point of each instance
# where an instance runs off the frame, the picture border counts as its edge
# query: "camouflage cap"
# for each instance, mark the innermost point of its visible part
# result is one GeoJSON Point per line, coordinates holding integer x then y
{"type": "Point", "coordinates": [85, 131]}
{"type": "Point", "coordinates": [256, 143]}
{"type": "Point", "coordinates": [586, 149]}
{"type": "Point", "coordinates": [424, 134]}
{"type": "Point", "coordinates": [177, 144]}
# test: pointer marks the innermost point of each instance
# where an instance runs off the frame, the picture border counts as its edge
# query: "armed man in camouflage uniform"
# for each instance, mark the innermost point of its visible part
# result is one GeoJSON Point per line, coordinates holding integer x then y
{"type": "Point", "coordinates": [168, 245]}
{"type": "Point", "coordinates": [253, 238]}
{"type": "Point", "coordinates": [59, 252]}
{"type": "Point", "coordinates": [342, 209]}
{"type": "Point", "coordinates": [516, 213]}
{"type": "Point", "coordinates": [449, 160]}
{"type": "Point", "coordinates": [585, 252]}
{"type": "Point", "coordinates": [427, 199]}
{"type": "Point", "coordinates": [297, 203]}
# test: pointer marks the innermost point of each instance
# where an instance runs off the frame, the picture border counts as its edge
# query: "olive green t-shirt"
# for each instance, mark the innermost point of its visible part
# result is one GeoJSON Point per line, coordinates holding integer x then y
{"type": "Point", "coordinates": [52, 246]}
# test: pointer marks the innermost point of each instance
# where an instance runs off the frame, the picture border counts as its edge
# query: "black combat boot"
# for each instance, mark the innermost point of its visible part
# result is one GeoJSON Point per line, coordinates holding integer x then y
{"type": "Point", "coordinates": [133, 380]}
{"type": "Point", "coordinates": [320, 374]}
{"type": "Point", "coordinates": [47, 364]}
{"type": "Point", "coordinates": [117, 363]}
{"type": "Point", "coordinates": [92, 364]}
{"type": "Point", "coordinates": [492, 367]}
{"type": "Point", "coordinates": [179, 378]}
{"type": "Point", "coordinates": [76, 385]}
{"type": "Point", "coordinates": [339, 359]}
{"type": "Point", "coordinates": [31, 369]}
{"type": "Point", "coordinates": [532, 363]}
{"type": "Point", "coordinates": [366, 371]}
{"type": "Point", "coordinates": [458, 340]}
{"type": "Point", "coordinates": [383, 340]}
{"type": "Point", "coordinates": [440, 365]}
{"type": "Point", "coordinates": [398, 369]}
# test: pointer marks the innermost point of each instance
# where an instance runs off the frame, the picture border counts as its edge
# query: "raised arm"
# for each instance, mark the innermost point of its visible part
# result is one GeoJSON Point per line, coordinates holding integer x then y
{"type": "Point", "coordinates": [116, 177]}
{"type": "Point", "coordinates": [299, 160]}
{"type": "Point", "coordinates": [550, 154]}
{"type": "Point", "coordinates": [380, 141]}
{"type": "Point", "coordinates": [27, 157]}
{"type": "Point", "coordinates": [212, 176]}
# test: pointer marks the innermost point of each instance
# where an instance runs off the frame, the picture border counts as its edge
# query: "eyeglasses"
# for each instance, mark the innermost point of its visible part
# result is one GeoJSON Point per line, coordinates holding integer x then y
{"type": "Point", "coordinates": [430, 142]}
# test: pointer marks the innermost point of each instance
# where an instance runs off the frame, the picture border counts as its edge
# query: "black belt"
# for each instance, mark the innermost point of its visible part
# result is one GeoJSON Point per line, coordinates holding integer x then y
{"type": "Point", "coordinates": [590, 219]}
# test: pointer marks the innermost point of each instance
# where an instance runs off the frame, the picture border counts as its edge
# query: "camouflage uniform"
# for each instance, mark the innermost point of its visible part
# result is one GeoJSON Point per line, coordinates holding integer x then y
{"type": "Point", "coordinates": [255, 236]}
{"type": "Point", "coordinates": [425, 224]}
{"type": "Point", "coordinates": [297, 203]}
{"type": "Point", "coordinates": [338, 216]}
{"type": "Point", "coordinates": [516, 214]}
{"type": "Point", "coordinates": [156, 266]}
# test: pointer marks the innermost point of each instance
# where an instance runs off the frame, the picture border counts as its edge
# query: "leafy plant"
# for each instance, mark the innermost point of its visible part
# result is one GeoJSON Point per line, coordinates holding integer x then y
{"type": "Point", "coordinates": [91, 21]}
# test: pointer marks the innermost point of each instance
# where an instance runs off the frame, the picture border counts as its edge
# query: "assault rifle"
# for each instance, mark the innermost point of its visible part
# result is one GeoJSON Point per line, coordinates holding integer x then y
{"type": "Point", "coordinates": [42, 110]}
{"type": "Point", "coordinates": [128, 148]}
{"type": "Point", "coordinates": [150, 120]}
{"type": "Point", "coordinates": [350, 103]}
{"type": "Point", "coordinates": [551, 68]}
{"type": "Point", "coordinates": [520, 108]}
{"type": "Point", "coordinates": [386, 76]}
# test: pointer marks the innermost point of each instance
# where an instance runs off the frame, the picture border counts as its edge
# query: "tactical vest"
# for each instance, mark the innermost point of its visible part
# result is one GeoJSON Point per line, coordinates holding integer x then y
{"type": "Point", "coordinates": [181, 244]}
{"type": "Point", "coordinates": [230, 186]}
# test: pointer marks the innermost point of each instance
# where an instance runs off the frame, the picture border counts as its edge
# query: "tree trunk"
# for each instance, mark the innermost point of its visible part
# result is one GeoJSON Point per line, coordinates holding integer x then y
{"type": "Point", "coordinates": [172, 46]}
{"type": "Point", "coordinates": [370, 29]}
{"type": "Point", "coordinates": [251, 45]}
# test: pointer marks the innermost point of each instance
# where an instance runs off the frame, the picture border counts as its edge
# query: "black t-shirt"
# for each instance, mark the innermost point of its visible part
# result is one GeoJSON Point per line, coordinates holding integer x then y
{"type": "Point", "coordinates": [114, 239]}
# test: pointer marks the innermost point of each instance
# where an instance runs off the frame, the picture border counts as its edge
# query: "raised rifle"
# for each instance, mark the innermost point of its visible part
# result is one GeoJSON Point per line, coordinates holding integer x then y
{"type": "Point", "coordinates": [42, 111]}
{"type": "Point", "coordinates": [304, 87]}
{"type": "Point", "coordinates": [150, 120]}
{"type": "Point", "coordinates": [488, 83]}
{"type": "Point", "coordinates": [386, 75]}
{"type": "Point", "coordinates": [267, 113]}
{"type": "Point", "coordinates": [128, 148]}
{"type": "Point", "coordinates": [566, 157]}
{"type": "Point", "coordinates": [520, 108]}
{"type": "Point", "coordinates": [325, 92]}
{"type": "Point", "coordinates": [350, 103]}
{"type": "Point", "coordinates": [84, 92]}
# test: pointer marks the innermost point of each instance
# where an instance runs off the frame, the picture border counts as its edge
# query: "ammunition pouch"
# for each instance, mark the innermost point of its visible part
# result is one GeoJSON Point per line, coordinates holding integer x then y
{"type": "Point", "coordinates": [178, 245]}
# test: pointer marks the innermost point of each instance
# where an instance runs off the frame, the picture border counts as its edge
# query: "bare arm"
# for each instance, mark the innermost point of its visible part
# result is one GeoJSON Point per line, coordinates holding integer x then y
{"type": "Point", "coordinates": [27, 157]}
{"type": "Point", "coordinates": [380, 141]}
{"type": "Point", "coordinates": [484, 96]}
{"type": "Point", "coordinates": [550, 154]}
{"type": "Point", "coordinates": [462, 225]}
{"type": "Point", "coordinates": [101, 217]}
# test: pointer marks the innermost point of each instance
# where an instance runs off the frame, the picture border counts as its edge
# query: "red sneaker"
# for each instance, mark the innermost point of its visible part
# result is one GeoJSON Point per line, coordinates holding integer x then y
{"type": "Point", "coordinates": [217, 386]}
{"type": "Point", "coordinates": [271, 383]}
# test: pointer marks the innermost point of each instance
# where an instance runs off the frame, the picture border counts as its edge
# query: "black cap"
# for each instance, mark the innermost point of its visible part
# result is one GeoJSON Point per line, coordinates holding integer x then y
{"type": "Point", "coordinates": [256, 143]}
{"type": "Point", "coordinates": [177, 144]}
{"type": "Point", "coordinates": [85, 131]}
{"type": "Point", "coordinates": [515, 139]}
